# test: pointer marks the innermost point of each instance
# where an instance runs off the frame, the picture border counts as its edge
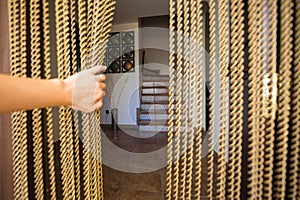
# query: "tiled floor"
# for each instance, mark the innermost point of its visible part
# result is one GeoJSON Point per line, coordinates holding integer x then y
{"type": "Point", "coordinates": [134, 186]}
{"type": "Point", "coordinates": [139, 186]}
{"type": "Point", "coordinates": [122, 186]}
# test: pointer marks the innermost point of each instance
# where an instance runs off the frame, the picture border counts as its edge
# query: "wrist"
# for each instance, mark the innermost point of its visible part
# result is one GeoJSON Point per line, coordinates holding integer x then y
{"type": "Point", "coordinates": [65, 91]}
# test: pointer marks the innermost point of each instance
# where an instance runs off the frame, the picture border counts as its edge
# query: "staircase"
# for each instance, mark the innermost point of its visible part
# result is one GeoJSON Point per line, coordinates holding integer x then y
{"type": "Point", "coordinates": [153, 112]}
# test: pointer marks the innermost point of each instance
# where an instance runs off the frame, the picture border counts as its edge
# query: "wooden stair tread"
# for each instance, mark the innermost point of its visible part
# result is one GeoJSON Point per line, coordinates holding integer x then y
{"type": "Point", "coordinates": [156, 111]}
{"type": "Point", "coordinates": [154, 86]}
{"type": "Point", "coordinates": [156, 75]}
{"type": "Point", "coordinates": [155, 102]}
{"type": "Point", "coordinates": [156, 81]}
{"type": "Point", "coordinates": [154, 122]}
{"type": "Point", "coordinates": [160, 111]}
{"type": "Point", "coordinates": [155, 94]}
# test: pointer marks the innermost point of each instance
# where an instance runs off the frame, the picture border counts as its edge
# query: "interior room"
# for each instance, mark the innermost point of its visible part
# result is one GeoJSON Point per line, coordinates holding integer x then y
{"type": "Point", "coordinates": [134, 115]}
{"type": "Point", "coordinates": [149, 100]}
{"type": "Point", "coordinates": [135, 112]}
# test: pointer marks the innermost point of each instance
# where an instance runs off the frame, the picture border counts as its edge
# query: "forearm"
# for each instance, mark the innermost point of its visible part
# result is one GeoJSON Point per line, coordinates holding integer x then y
{"type": "Point", "coordinates": [26, 93]}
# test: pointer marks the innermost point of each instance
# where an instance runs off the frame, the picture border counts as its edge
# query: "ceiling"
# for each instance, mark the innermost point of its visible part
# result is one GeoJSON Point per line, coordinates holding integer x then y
{"type": "Point", "coordinates": [130, 10]}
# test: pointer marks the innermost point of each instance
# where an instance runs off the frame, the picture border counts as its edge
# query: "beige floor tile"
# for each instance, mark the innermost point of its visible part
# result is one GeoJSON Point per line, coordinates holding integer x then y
{"type": "Point", "coordinates": [112, 178]}
{"type": "Point", "coordinates": [150, 182]}
{"type": "Point", "coordinates": [139, 195]}
{"type": "Point", "coordinates": [111, 193]}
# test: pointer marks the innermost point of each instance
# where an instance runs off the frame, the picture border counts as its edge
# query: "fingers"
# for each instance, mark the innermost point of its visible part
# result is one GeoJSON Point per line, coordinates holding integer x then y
{"type": "Point", "coordinates": [96, 69]}
{"type": "Point", "coordinates": [101, 78]}
{"type": "Point", "coordinates": [89, 91]}
{"type": "Point", "coordinates": [99, 95]}
{"type": "Point", "coordinates": [101, 85]}
{"type": "Point", "coordinates": [98, 105]}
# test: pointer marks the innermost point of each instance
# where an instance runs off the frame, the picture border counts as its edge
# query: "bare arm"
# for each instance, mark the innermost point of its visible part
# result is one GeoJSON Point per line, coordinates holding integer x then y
{"type": "Point", "coordinates": [83, 91]}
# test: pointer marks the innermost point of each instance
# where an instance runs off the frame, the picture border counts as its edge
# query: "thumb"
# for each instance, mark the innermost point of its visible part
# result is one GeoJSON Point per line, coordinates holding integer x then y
{"type": "Point", "coordinates": [96, 69]}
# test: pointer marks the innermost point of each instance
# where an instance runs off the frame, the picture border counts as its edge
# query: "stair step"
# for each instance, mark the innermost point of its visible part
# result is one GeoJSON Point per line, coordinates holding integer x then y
{"type": "Point", "coordinates": [159, 128]}
{"type": "Point", "coordinates": [155, 129]}
{"type": "Point", "coordinates": [156, 81]}
{"type": "Point", "coordinates": [158, 111]}
{"type": "Point", "coordinates": [154, 116]}
{"type": "Point", "coordinates": [150, 107]}
{"type": "Point", "coordinates": [149, 91]}
{"type": "Point", "coordinates": [153, 122]}
{"type": "Point", "coordinates": [158, 95]}
{"type": "Point", "coordinates": [156, 102]}
{"type": "Point", "coordinates": [155, 94]}
{"type": "Point", "coordinates": [154, 86]}
{"type": "Point", "coordinates": [154, 99]}
{"type": "Point", "coordinates": [156, 75]}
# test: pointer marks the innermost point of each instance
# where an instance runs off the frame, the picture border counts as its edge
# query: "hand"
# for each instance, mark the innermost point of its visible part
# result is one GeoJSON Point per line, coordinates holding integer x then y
{"type": "Point", "coordinates": [87, 89]}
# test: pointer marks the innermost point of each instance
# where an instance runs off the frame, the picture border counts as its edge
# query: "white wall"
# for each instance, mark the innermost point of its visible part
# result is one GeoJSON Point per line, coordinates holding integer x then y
{"type": "Point", "coordinates": [155, 43]}
{"type": "Point", "coordinates": [123, 89]}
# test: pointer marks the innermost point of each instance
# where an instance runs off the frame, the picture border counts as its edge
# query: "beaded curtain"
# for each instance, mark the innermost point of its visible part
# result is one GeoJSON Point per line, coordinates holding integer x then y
{"type": "Point", "coordinates": [69, 169]}
{"type": "Point", "coordinates": [253, 79]}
